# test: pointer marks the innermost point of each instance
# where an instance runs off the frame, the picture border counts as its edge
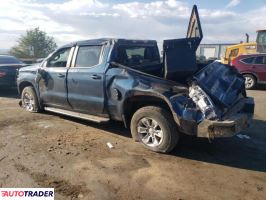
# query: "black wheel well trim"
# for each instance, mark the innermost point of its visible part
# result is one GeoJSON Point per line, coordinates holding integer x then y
{"type": "Point", "coordinates": [252, 74]}
{"type": "Point", "coordinates": [24, 84]}
{"type": "Point", "coordinates": [153, 100]}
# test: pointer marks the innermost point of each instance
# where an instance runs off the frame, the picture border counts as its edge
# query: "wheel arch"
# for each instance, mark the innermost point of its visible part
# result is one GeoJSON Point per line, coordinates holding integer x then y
{"type": "Point", "coordinates": [132, 104]}
{"type": "Point", "coordinates": [252, 74]}
{"type": "Point", "coordinates": [24, 84]}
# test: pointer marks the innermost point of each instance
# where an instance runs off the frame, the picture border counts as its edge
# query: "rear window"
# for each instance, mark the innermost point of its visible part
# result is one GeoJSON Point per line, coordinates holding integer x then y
{"type": "Point", "coordinates": [9, 60]}
{"type": "Point", "coordinates": [259, 60]}
{"type": "Point", "coordinates": [234, 53]}
{"type": "Point", "coordinates": [248, 60]}
{"type": "Point", "coordinates": [261, 37]}
{"type": "Point", "coordinates": [131, 55]}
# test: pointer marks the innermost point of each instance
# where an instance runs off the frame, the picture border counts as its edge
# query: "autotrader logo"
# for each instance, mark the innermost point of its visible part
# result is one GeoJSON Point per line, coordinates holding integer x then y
{"type": "Point", "coordinates": [26, 193]}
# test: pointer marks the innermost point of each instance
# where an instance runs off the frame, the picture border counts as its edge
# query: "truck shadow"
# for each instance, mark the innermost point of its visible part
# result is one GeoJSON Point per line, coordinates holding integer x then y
{"type": "Point", "coordinates": [9, 93]}
{"type": "Point", "coordinates": [260, 87]}
{"type": "Point", "coordinates": [235, 152]}
{"type": "Point", "coordinates": [111, 126]}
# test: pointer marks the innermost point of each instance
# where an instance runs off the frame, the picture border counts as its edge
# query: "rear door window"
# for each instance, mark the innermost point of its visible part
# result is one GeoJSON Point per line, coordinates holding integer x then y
{"type": "Point", "coordinates": [259, 60]}
{"type": "Point", "coordinates": [88, 56]}
{"type": "Point", "coordinates": [249, 60]}
{"type": "Point", "coordinates": [131, 55]}
{"type": "Point", "coordinates": [234, 52]}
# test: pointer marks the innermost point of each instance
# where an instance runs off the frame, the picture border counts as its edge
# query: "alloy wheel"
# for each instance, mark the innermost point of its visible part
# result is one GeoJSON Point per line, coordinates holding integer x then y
{"type": "Point", "coordinates": [28, 101]}
{"type": "Point", "coordinates": [249, 82]}
{"type": "Point", "coordinates": [150, 132]}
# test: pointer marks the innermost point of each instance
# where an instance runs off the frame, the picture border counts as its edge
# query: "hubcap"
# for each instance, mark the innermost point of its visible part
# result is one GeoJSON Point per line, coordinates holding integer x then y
{"type": "Point", "coordinates": [28, 101]}
{"type": "Point", "coordinates": [150, 132]}
{"type": "Point", "coordinates": [249, 82]}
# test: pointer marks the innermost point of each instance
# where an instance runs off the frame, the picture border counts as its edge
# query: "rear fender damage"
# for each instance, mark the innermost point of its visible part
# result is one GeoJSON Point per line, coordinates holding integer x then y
{"type": "Point", "coordinates": [217, 105]}
{"type": "Point", "coordinates": [125, 85]}
{"type": "Point", "coordinates": [196, 110]}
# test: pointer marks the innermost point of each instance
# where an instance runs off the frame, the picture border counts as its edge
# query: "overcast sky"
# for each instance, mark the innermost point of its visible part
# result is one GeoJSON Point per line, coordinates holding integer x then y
{"type": "Point", "coordinates": [223, 21]}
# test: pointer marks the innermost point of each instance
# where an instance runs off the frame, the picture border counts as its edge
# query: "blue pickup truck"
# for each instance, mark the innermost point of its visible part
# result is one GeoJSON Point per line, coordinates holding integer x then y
{"type": "Point", "coordinates": [126, 80]}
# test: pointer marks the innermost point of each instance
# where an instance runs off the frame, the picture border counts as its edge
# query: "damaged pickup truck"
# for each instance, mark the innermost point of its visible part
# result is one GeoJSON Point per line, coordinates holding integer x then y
{"type": "Point", "coordinates": [125, 80]}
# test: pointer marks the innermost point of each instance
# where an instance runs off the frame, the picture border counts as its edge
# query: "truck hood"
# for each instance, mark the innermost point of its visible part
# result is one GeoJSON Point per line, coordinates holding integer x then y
{"type": "Point", "coordinates": [179, 55]}
{"type": "Point", "coordinates": [215, 90]}
{"type": "Point", "coordinates": [223, 84]}
{"type": "Point", "coordinates": [31, 68]}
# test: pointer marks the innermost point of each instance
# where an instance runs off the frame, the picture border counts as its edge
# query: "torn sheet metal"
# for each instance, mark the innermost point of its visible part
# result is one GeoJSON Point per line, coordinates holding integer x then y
{"type": "Point", "coordinates": [222, 83]}
{"type": "Point", "coordinates": [204, 103]}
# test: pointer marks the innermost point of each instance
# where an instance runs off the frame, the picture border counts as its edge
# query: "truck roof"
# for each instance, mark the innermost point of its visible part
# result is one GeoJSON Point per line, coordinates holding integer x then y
{"type": "Point", "coordinates": [242, 44]}
{"type": "Point", "coordinates": [254, 54]}
{"type": "Point", "coordinates": [121, 41]}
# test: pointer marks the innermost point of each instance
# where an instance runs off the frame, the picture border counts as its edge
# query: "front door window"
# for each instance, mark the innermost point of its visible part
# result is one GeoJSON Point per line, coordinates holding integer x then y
{"type": "Point", "coordinates": [59, 59]}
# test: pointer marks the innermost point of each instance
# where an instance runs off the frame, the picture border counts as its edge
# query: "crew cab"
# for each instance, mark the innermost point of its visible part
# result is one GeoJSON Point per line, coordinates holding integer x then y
{"type": "Point", "coordinates": [125, 80]}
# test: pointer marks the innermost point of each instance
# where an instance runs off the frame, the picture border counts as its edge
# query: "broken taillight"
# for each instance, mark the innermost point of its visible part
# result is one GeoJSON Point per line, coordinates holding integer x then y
{"type": "Point", "coordinates": [2, 74]}
{"type": "Point", "coordinates": [203, 101]}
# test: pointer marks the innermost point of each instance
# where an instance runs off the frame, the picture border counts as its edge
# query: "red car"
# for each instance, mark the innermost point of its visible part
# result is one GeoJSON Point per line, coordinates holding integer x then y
{"type": "Point", "coordinates": [253, 68]}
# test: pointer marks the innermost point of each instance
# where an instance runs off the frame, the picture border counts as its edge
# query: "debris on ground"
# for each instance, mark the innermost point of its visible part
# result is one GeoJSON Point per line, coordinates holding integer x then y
{"type": "Point", "coordinates": [110, 145]}
{"type": "Point", "coordinates": [242, 136]}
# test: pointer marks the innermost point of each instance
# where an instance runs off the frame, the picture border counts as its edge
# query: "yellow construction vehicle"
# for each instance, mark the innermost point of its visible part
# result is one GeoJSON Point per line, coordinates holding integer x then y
{"type": "Point", "coordinates": [261, 41]}
{"type": "Point", "coordinates": [246, 48]}
{"type": "Point", "coordinates": [233, 51]}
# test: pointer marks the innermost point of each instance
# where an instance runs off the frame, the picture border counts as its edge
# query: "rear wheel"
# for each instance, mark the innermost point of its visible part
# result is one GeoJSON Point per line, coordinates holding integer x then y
{"type": "Point", "coordinates": [155, 128]}
{"type": "Point", "coordinates": [250, 81]}
{"type": "Point", "coordinates": [29, 99]}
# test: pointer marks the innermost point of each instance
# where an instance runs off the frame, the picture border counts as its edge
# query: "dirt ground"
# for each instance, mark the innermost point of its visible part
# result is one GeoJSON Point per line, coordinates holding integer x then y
{"type": "Point", "coordinates": [70, 155]}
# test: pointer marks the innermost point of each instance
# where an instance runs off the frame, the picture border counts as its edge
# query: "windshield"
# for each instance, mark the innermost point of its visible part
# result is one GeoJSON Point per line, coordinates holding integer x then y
{"type": "Point", "coordinates": [133, 55]}
{"type": "Point", "coordinates": [9, 60]}
{"type": "Point", "coordinates": [261, 39]}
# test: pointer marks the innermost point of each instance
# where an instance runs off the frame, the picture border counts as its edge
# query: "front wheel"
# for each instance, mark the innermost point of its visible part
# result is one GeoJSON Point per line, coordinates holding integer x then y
{"type": "Point", "coordinates": [155, 128]}
{"type": "Point", "coordinates": [29, 99]}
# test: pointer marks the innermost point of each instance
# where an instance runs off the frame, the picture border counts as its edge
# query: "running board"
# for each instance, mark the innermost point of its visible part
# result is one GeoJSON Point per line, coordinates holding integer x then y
{"type": "Point", "coordinates": [77, 115]}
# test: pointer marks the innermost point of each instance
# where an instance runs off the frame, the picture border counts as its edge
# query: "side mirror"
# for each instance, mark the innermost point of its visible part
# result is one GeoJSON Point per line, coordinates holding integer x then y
{"type": "Point", "coordinates": [39, 70]}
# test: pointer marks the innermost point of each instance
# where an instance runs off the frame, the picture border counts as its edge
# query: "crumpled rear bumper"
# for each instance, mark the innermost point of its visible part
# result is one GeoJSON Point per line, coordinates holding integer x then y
{"type": "Point", "coordinates": [230, 126]}
{"type": "Point", "coordinates": [227, 128]}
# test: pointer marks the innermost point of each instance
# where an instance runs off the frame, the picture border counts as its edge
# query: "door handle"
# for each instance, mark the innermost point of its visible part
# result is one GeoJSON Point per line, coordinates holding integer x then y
{"type": "Point", "coordinates": [60, 75]}
{"type": "Point", "coordinates": [95, 76]}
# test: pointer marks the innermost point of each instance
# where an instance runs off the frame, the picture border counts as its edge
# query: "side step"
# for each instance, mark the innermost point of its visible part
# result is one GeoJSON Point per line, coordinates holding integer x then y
{"type": "Point", "coordinates": [77, 115]}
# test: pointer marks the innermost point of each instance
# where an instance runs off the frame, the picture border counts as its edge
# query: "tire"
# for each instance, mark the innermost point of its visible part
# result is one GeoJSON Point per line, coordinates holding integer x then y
{"type": "Point", "coordinates": [29, 100]}
{"type": "Point", "coordinates": [250, 81]}
{"type": "Point", "coordinates": [155, 128]}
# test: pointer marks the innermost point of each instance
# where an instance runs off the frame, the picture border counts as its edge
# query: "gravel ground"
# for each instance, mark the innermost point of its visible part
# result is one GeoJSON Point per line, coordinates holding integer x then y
{"type": "Point", "coordinates": [71, 155]}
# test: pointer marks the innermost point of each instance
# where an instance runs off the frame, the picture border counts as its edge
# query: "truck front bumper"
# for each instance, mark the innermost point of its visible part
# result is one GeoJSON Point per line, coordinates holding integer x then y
{"type": "Point", "coordinates": [231, 125]}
